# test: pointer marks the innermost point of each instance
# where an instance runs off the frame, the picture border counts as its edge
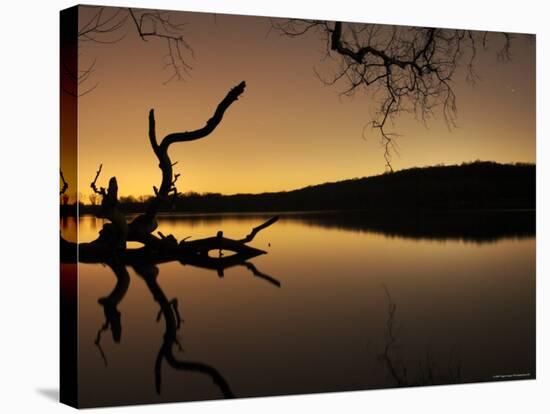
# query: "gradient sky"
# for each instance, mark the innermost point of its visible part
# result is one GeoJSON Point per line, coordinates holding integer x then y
{"type": "Point", "coordinates": [288, 130]}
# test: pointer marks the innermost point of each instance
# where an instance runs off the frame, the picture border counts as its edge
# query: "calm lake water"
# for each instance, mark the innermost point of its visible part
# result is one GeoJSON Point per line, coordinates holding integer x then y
{"type": "Point", "coordinates": [463, 287]}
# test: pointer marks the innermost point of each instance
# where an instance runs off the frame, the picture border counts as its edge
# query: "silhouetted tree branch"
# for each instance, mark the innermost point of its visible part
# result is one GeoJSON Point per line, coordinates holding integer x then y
{"type": "Point", "coordinates": [143, 225]}
{"type": "Point", "coordinates": [116, 233]}
{"type": "Point", "coordinates": [109, 25]}
{"type": "Point", "coordinates": [257, 229]}
{"type": "Point", "coordinates": [156, 24]}
{"type": "Point", "coordinates": [64, 185]}
{"type": "Point", "coordinates": [110, 246]}
{"type": "Point", "coordinates": [407, 69]}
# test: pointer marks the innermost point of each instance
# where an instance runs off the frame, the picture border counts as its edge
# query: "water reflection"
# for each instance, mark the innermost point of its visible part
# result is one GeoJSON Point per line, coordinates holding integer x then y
{"type": "Point", "coordinates": [169, 310]}
{"type": "Point", "coordinates": [467, 226]}
{"type": "Point", "coordinates": [110, 305]}
{"type": "Point", "coordinates": [172, 320]}
{"type": "Point", "coordinates": [426, 369]}
{"type": "Point", "coordinates": [477, 298]}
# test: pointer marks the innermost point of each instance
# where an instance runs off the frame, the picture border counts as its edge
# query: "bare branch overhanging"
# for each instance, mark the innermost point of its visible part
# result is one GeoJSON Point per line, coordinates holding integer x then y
{"type": "Point", "coordinates": [109, 25]}
{"type": "Point", "coordinates": [409, 69]}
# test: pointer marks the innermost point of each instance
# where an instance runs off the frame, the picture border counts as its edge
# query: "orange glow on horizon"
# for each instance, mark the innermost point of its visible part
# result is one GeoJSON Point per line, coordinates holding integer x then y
{"type": "Point", "coordinates": [288, 130]}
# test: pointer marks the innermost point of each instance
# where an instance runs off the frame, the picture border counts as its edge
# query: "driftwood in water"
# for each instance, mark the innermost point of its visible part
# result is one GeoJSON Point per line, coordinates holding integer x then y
{"type": "Point", "coordinates": [167, 249]}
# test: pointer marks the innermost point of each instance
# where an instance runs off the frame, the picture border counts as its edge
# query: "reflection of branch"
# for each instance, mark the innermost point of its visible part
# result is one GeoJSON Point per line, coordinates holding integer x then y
{"type": "Point", "coordinates": [426, 370]}
{"type": "Point", "coordinates": [144, 262]}
{"type": "Point", "coordinates": [97, 342]}
{"type": "Point", "coordinates": [261, 275]}
{"type": "Point", "coordinates": [400, 379]}
{"type": "Point", "coordinates": [110, 303]}
{"type": "Point", "coordinates": [174, 304]}
{"type": "Point", "coordinates": [171, 319]}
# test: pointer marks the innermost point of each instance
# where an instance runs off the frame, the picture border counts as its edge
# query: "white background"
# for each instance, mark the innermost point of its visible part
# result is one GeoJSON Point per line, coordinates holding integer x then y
{"type": "Point", "coordinates": [29, 130]}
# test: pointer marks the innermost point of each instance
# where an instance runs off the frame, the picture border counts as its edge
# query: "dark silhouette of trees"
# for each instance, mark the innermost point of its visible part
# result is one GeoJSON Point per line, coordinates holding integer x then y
{"type": "Point", "coordinates": [470, 186]}
{"type": "Point", "coordinates": [406, 69]}
{"type": "Point", "coordinates": [93, 199]}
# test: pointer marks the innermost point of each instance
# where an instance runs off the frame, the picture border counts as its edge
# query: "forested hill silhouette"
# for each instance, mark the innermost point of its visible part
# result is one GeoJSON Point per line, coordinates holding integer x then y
{"type": "Point", "coordinates": [477, 185]}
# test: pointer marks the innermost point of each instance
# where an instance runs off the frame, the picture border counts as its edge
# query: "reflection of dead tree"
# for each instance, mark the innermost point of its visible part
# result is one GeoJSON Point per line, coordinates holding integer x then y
{"type": "Point", "coordinates": [428, 371]}
{"type": "Point", "coordinates": [407, 69]}
{"type": "Point", "coordinates": [399, 374]}
{"type": "Point", "coordinates": [110, 304]}
{"type": "Point", "coordinates": [261, 275]}
{"type": "Point", "coordinates": [169, 312]}
{"type": "Point", "coordinates": [172, 320]}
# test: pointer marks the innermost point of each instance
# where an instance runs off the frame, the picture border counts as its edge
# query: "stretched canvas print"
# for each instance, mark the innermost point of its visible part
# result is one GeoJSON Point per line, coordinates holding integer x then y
{"type": "Point", "coordinates": [256, 206]}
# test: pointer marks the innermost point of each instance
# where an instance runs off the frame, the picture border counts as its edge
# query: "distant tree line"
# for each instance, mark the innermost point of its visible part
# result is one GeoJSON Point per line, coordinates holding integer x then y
{"type": "Point", "coordinates": [476, 185]}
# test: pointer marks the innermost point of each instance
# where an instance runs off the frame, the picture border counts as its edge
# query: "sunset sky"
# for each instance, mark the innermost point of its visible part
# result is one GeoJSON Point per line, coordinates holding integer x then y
{"type": "Point", "coordinates": [288, 130]}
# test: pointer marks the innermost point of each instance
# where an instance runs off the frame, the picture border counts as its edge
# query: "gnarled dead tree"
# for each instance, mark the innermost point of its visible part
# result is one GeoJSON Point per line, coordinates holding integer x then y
{"type": "Point", "coordinates": [118, 230]}
{"type": "Point", "coordinates": [111, 243]}
{"type": "Point", "coordinates": [142, 226]}
{"type": "Point", "coordinates": [110, 248]}
{"type": "Point", "coordinates": [406, 69]}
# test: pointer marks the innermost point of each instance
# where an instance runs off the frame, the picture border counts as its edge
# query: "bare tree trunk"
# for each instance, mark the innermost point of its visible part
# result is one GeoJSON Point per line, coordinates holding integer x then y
{"type": "Point", "coordinates": [142, 226]}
